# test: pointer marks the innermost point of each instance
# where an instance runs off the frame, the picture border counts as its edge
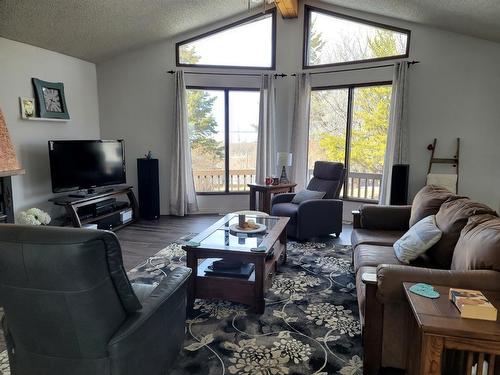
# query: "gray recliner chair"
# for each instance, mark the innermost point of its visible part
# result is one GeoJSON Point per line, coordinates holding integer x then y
{"type": "Point", "coordinates": [70, 308]}
{"type": "Point", "coordinates": [315, 217]}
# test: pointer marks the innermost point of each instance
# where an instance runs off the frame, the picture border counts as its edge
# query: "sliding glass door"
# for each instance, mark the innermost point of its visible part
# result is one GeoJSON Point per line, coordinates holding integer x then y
{"type": "Point", "coordinates": [349, 125]}
{"type": "Point", "coordinates": [223, 129]}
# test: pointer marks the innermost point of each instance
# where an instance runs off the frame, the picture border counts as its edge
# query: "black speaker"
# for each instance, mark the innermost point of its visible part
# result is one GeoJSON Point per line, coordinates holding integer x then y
{"type": "Point", "coordinates": [149, 188]}
{"type": "Point", "coordinates": [399, 184]}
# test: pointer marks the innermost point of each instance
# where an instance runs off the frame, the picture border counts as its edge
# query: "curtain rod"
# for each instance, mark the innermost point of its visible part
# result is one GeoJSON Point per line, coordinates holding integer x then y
{"type": "Point", "coordinates": [362, 68]}
{"type": "Point", "coordinates": [294, 75]}
{"type": "Point", "coordinates": [232, 74]}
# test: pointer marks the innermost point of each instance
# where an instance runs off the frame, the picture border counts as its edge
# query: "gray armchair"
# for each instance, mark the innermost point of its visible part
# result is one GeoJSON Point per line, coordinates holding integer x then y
{"type": "Point", "coordinates": [315, 217]}
{"type": "Point", "coordinates": [70, 308]}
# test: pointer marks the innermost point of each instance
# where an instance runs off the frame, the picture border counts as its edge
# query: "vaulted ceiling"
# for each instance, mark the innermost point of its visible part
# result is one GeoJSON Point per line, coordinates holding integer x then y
{"type": "Point", "coordinates": [95, 30]}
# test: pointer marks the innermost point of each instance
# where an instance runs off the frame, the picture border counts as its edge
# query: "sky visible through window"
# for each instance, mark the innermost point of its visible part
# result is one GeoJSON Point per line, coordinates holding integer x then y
{"type": "Point", "coordinates": [248, 44]}
{"type": "Point", "coordinates": [243, 114]}
{"type": "Point", "coordinates": [338, 40]}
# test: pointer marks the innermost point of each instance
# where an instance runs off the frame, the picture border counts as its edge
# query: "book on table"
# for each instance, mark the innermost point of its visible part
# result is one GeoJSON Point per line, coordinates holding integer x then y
{"type": "Point", "coordinates": [472, 304]}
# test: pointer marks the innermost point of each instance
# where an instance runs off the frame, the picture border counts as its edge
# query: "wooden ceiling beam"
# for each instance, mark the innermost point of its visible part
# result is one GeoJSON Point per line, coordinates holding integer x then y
{"type": "Point", "coordinates": [288, 8]}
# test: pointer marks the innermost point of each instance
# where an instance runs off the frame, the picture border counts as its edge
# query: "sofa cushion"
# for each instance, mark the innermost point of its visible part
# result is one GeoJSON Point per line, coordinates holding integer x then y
{"type": "Point", "coordinates": [373, 255]}
{"type": "Point", "coordinates": [451, 219]}
{"type": "Point", "coordinates": [375, 237]}
{"type": "Point", "coordinates": [478, 247]}
{"type": "Point", "coordinates": [381, 217]}
{"type": "Point", "coordinates": [287, 210]}
{"type": "Point", "coordinates": [428, 201]}
{"type": "Point", "coordinates": [419, 238]}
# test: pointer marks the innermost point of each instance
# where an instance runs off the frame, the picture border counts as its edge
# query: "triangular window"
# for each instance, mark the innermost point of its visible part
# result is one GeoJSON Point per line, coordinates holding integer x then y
{"type": "Point", "coordinates": [249, 43]}
{"type": "Point", "coordinates": [335, 39]}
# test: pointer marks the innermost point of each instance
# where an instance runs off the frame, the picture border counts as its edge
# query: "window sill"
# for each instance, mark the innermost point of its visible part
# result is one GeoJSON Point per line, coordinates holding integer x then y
{"type": "Point", "coordinates": [224, 193]}
{"type": "Point", "coordinates": [361, 200]}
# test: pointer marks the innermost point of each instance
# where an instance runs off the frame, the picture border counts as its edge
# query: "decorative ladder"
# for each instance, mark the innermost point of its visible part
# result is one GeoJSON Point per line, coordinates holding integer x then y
{"type": "Point", "coordinates": [454, 161]}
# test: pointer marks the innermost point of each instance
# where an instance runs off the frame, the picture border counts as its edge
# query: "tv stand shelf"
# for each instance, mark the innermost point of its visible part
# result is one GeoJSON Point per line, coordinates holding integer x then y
{"type": "Point", "coordinates": [72, 204]}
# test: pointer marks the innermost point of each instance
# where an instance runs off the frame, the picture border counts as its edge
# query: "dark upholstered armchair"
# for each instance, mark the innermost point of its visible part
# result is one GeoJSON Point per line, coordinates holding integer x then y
{"type": "Point", "coordinates": [70, 308]}
{"type": "Point", "coordinates": [315, 217]}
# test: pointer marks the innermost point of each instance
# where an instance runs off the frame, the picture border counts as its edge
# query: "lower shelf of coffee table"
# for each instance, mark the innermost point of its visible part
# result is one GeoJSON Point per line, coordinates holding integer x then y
{"type": "Point", "coordinates": [205, 263]}
{"type": "Point", "coordinates": [237, 289]}
{"type": "Point", "coordinates": [203, 267]}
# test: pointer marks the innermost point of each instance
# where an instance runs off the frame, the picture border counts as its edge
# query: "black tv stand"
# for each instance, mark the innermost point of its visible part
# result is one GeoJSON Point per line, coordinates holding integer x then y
{"type": "Point", "coordinates": [90, 193]}
{"type": "Point", "coordinates": [72, 203]}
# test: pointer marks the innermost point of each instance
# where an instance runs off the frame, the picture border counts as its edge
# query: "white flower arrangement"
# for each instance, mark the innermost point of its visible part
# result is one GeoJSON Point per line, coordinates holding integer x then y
{"type": "Point", "coordinates": [33, 216]}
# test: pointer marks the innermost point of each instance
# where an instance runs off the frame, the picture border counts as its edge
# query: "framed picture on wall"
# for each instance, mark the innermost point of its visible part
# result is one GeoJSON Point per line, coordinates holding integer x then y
{"type": "Point", "coordinates": [27, 107]}
{"type": "Point", "coordinates": [50, 99]}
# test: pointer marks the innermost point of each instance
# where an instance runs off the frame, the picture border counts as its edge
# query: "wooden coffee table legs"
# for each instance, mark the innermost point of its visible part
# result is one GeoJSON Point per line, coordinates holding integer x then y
{"type": "Point", "coordinates": [259, 303]}
{"type": "Point", "coordinates": [249, 292]}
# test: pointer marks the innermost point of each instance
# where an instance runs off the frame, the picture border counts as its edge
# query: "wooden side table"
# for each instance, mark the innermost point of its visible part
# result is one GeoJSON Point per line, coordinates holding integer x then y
{"type": "Point", "coordinates": [265, 194]}
{"type": "Point", "coordinates": [437, 326]}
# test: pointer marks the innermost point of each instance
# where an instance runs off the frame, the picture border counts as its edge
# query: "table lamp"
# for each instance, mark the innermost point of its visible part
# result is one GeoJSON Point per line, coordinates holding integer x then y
{"type": "Point", "coordinates": [284, 160]}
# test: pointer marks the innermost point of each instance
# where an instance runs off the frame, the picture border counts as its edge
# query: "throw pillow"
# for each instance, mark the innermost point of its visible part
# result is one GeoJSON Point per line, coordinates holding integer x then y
{"type": "Point", "coordinates": [417, 240]}
{"type": "Point", "coordinates": [451, 219]}
{"type": "Point", "coordinates": [478, 247]}
{"type": "Point", "coordinates": [428, 201]}
{"type": "Point", "coordinates": [305, 195]}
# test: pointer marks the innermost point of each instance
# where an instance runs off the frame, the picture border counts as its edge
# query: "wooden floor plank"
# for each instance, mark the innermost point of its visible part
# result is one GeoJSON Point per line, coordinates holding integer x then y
{"type": "Point", "coordinates": [145, 238]}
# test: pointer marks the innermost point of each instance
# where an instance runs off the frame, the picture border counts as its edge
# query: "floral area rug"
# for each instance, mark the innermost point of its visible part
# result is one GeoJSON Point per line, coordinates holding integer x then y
{"type": "Point", "coordinates": [310, 324]}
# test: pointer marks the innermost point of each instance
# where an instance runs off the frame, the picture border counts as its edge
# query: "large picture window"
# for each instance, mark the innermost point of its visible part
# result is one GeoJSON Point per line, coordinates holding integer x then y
{"type": "Point", "coordinates": [249, 43]}
{"type": "Point", "coordinates": [349, 125]}
{"type": "Point", "coordinates": [334, 39]}
{"type": "Point", "coordinates": [223, 129]}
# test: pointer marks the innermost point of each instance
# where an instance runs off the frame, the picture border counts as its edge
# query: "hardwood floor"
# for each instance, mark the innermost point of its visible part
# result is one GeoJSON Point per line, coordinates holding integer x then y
{"type": "Point", "coordinates": [145, 238]}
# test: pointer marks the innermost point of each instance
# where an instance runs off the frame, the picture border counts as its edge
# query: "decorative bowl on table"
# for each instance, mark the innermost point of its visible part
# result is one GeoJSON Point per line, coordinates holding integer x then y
{"type": "Point", "coordinates": [249, 226]}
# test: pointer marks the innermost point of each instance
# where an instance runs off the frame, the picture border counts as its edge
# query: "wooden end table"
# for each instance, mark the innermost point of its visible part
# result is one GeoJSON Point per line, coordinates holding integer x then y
{"type": "Point", "coordinates": [437, 326]}
{"type": "Point", "coordinates": [265, 194]}
{"type": "Point", "coordinates": [219, 242]}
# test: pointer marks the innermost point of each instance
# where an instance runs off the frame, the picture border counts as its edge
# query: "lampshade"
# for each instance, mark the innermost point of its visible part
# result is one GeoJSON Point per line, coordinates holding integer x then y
{"type": "Point", "coordinates": [8, 159]}
{"type": "Point", "coordinates": [284, 159]}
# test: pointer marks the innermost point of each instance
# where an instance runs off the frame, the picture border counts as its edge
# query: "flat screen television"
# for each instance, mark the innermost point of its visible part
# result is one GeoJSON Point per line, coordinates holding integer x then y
{"type": "Point", "coordinates": [76, 165]}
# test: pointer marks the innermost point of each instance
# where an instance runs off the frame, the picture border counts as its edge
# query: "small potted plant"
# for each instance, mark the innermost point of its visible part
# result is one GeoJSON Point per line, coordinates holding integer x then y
{"type": "Point", "coordinates": [33, 216]}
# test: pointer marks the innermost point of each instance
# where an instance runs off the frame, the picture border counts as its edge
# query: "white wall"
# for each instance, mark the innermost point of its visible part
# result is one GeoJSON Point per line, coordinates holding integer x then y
{"type": "Point", "coordinates": [454, 93]}
{"type": "Point", "coordinates": [18, 64]}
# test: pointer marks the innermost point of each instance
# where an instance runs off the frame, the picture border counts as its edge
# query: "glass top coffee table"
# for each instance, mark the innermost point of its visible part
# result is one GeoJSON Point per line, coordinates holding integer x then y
{"type": "Point", "coordinates": [244, 262]}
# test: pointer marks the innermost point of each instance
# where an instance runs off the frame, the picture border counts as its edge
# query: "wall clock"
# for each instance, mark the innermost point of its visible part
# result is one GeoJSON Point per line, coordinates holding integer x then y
{"type": "Point", "coordinates": [51, 102]}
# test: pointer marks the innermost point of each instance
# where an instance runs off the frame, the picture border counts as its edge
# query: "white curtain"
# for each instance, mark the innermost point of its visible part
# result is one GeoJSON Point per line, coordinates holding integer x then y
{"type": "Point", "coordinates": [300, 130]}
{"type": "Point", "coordinates": [182, 199]}
{"type": "Point", "coordinates": [266, 141]}
{"type": "Point", "coordinates": [397, 135]}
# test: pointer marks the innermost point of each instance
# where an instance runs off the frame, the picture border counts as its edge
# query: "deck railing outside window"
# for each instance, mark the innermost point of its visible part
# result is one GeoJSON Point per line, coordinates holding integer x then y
{"type": "Point", "coordinates": [364, 186]}
{"type": "Point", "coordinates": [213, 181]}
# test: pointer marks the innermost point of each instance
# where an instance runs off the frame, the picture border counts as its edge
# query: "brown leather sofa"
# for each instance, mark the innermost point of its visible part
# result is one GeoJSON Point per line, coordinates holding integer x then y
{"type": "Point", "coordinates": [467, 256]}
